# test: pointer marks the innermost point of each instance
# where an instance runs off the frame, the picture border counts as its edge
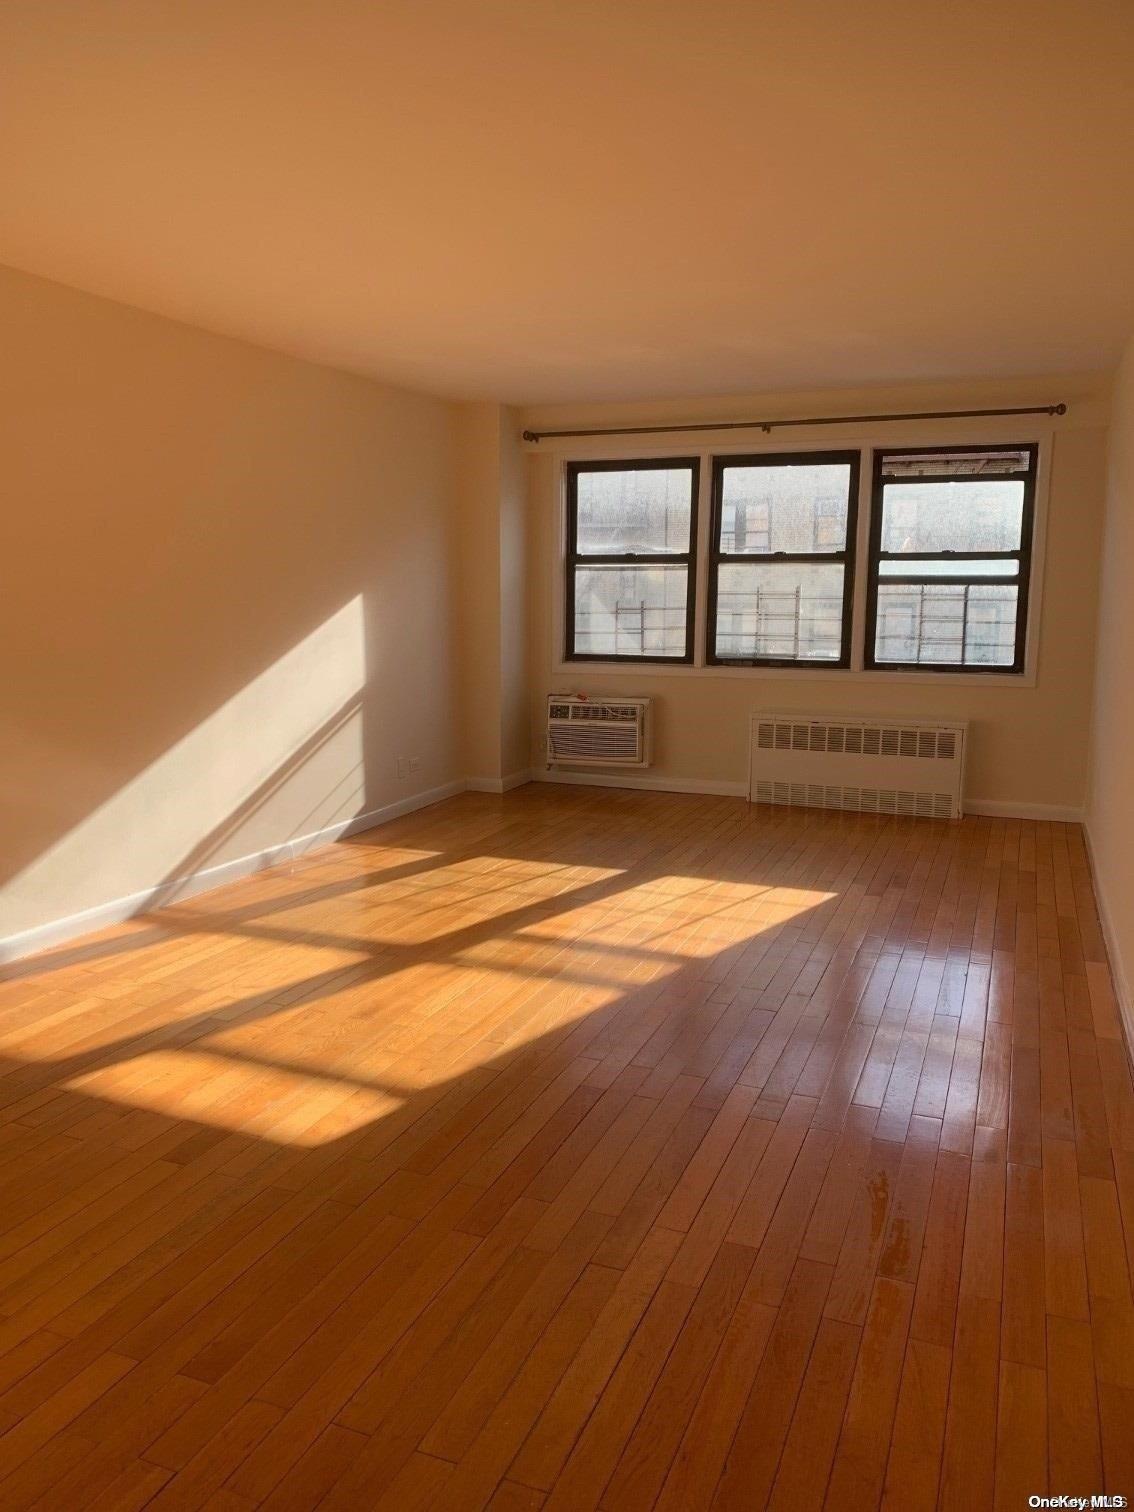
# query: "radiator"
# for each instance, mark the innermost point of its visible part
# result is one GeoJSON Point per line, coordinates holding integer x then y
{"type": "Point", "coordinates": [861, 764]}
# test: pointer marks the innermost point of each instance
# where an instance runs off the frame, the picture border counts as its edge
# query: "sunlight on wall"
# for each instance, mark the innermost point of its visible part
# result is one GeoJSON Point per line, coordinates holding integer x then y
{"type": "Point", "coordinates": [283, 757]}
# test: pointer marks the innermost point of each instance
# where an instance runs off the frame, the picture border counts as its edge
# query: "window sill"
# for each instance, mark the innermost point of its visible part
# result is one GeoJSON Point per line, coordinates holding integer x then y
{"type": "Point", "coordinates": [803, 675]}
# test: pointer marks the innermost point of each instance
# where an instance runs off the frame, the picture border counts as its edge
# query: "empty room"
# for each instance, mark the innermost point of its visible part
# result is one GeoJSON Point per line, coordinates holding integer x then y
{"type": "Point", "coordinates": [566, 755]}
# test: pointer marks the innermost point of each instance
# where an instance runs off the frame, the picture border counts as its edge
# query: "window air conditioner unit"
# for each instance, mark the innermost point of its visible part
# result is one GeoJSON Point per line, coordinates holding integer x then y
{"type": "Point", "coordinates": [593, 732]}
{"type": "Point", "coordinates": [863, 765]}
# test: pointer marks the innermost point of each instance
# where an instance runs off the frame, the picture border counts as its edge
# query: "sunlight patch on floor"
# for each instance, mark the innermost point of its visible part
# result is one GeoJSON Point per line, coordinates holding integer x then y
{"type": "Point", "coordinates": [275, 1102]}
{"type": "Point", "coordinates": [338, 1058]}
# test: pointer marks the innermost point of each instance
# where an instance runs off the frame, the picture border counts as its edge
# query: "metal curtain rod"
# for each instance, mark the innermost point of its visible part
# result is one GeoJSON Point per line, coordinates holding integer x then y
{"type": "Point", "coordinates": [769, 425]}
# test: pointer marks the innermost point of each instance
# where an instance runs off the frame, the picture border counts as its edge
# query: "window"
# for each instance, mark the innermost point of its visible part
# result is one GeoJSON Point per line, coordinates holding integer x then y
{"type": "Point", "coordinates": [631, 538]}
{"type": "Point", "coordinates": [780, 580]}
{"type": "Point", "coordinates": [951, 536]}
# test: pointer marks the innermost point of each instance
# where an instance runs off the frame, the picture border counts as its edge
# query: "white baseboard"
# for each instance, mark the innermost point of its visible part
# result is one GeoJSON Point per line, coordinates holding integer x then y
{"type": "Point", "coordinates": [994, 808]}
{"type": "Point", "coordinates": [1049, 813]}
{"type": "Point", "coordinates": [646, 784]}
{"type": "Point", "coordinates": [1118, 971]}
{"type": "Point", "coordinates": [497, 784]}
{"type": "Point", "coordinates": [60, 931]}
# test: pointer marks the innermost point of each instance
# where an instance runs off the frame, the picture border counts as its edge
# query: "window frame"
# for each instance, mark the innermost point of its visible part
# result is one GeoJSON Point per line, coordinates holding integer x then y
{"type": "Point", "coordinates": [574, 558]}
{"type": "Point", "coordinates": [852, 457]}
{"type": "Point", "coordinates": [1022, 581]}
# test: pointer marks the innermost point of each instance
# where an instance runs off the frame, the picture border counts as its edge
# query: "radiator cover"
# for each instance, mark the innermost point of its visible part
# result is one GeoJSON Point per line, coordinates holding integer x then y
{"type": "Point", "coordinates": [858, 763]}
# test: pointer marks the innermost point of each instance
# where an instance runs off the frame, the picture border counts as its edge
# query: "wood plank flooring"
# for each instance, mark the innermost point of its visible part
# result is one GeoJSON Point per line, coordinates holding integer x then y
{"type": "Point", "coordinates": [578, 1149]}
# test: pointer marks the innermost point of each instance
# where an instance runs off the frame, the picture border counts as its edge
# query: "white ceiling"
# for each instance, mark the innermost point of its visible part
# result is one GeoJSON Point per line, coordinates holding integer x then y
{"type": "Point", "coordinates": [538, 200]}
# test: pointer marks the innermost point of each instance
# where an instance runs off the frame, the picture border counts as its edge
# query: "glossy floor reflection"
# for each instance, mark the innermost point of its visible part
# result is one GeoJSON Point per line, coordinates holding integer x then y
{"type": "Point", "coordinates": [578, 1149]}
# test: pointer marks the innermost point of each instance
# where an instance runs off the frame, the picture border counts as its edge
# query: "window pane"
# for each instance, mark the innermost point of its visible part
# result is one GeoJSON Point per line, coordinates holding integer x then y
{"type": "Point", "coordinates": [630, 611]}
{"type": "Point", "coordinates": [794, 508]}
{"type": "Point", "coordinates": [967, 624]}
{"type": "Point", "coordinates": [791, 610]}
{"type": "Point", "coordinates": [971, 516]}
{"type": "Point", "coordinates": [641, 509]}
{"type": "Point", "coordinates": [935, 567]}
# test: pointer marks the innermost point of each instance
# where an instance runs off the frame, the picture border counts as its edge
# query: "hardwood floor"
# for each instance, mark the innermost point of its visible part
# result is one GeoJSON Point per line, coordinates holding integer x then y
{"type": "Point", "coordinates": [578, 1149]}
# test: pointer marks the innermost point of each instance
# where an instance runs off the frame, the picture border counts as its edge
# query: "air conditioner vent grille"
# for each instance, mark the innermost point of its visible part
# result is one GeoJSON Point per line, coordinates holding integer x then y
{"type": "Point", "coordinates": [618, 742]}
{"type": "Point", "coordinates": [585, 733]}
{"type": "Point", "coordinates": [604, 711]}
{"type": "Point", "coordinates": [592, 711]}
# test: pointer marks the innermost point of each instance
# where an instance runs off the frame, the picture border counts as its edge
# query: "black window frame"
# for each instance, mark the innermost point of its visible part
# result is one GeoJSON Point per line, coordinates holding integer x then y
{"type": "Point", "coordinates": [1021, 581]}
{"type": "Point", "coordinates": [846, 558]}
{"type": "Point", "coordinates": [575, 558]}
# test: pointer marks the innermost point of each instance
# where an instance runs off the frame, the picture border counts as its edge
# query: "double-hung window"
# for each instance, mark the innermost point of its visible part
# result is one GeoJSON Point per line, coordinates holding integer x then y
{"type": "Point", "coordinates": [951, 538]}
{"type": "Point", "coordinates": [948, 544]}
{"type": "Point", "coordinates": [631, 544]}
{"type": "Point", "coordinates": [780, 575]}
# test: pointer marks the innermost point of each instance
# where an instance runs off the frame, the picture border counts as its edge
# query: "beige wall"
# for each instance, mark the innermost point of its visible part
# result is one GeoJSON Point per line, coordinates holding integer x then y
{"type": "Point", "coordinates": [1110, 814]}
{"type": "Point", "coordinates": [515, 671]}
{"type": "Point", "coordinates": [229, 599]}
{"type": "Point", "coordinates": [238, 587]}
{"type": "Point", "coordinates": [1028, 746]}
{"type": "Point", "coordinates": [492, 488]}
{"type": "Point", "coordinates": [478, 492]}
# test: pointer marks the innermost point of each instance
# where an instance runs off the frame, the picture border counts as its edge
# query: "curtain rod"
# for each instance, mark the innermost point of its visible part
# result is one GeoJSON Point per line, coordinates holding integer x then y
{"type": "Point", "coordinates": [769, 425]}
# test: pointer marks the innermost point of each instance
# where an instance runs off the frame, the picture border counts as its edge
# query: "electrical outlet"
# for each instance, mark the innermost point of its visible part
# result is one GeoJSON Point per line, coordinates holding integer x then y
{"type": "Point", "coordinates": [403, 766]}
{"type": "Point", "coordinates": [415, 763]}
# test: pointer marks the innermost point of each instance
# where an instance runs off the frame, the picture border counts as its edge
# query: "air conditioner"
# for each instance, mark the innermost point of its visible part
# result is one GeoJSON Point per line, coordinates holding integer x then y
{"type": "Point", "coordinates": [591, 732]}
{"type": "Point", "coordinates": [865, 765]}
